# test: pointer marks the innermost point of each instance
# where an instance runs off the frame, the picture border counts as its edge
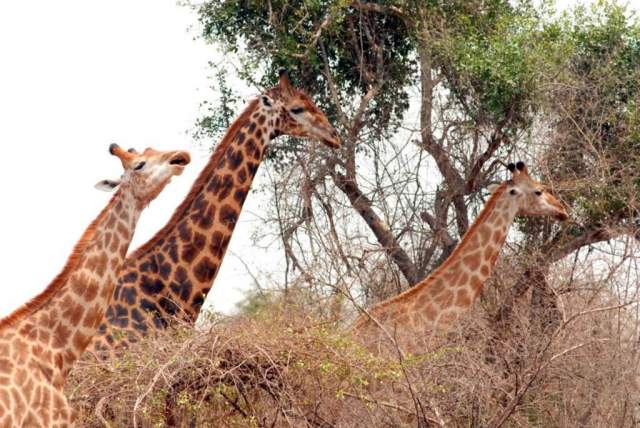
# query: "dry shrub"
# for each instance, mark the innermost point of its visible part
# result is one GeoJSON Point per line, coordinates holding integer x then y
{"type": "Point", "coordinates": [277, 368]}
{"type": "Point", "coordinates": [281, 367]}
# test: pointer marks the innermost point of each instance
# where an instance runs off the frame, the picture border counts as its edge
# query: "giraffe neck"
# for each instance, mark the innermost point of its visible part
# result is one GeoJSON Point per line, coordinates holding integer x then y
{"type": "Point", "coordinates": [60, 322]}
{"type": "Point", "coordinates": [205, 235]}
{"type": "Point", "coordinates": [455, 285]}
{"type": "Point", "coordinates": [438, 300]}
{"type": "Point", "coordinates": [172, 273]}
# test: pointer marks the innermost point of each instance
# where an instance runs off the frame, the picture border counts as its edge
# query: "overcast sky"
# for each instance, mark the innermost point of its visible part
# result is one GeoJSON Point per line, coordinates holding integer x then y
{"type": "Point", "coordinates": [76, 75]}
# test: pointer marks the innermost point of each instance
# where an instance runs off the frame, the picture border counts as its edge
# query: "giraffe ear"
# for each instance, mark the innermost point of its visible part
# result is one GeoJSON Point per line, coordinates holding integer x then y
{"type": "Point", "coordinates": [286, 88]}
{"type": "Point", "coordinates": [107, 185]}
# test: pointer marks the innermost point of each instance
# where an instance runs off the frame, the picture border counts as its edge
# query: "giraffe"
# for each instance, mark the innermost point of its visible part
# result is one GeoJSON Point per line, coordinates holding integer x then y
{"type": "Point", "coordinates": [41, 340]}
{"type": "Point", "coordinates": [435, 303]}
{"type": "Point", "coordinates": [171, 274]}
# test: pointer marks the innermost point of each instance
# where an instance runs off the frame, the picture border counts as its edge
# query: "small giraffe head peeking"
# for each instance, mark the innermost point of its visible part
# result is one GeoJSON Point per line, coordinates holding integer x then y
{"type": "Point", "coordinates": [147, 173]}
{"type": "Point", "coordinates": [296, 114]}
{"type": "Point", "coordinates": [532, 197]}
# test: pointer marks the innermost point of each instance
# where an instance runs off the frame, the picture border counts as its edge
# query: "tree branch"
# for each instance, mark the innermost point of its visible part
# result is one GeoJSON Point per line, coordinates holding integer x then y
{"type": "Point", "coordinates": [553, 253]}
{"type": "Point", "coordinates": [385, 10]}
{"type": "Point", "coordinates": [363, 206]}
{"type": "Point", "coordinates": [494, 142]}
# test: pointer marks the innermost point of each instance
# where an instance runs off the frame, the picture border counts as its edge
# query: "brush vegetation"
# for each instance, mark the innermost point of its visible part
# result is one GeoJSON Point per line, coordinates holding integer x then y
{"type": "Point", "coordinates": [288, 365]}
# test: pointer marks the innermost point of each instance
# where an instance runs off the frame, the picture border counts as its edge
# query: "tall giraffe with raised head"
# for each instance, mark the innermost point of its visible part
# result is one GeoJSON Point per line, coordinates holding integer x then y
{"type": "Point", "coordinates": [435, 303]}
{"type": "Point", "coordinates": [40, 341]}
{"type": "Point", "coordinates": [172, 273]}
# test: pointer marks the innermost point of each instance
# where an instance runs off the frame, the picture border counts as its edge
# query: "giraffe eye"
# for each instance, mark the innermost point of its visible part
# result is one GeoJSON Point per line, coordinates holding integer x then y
{"type": "Point", "coordinates": [139, 166]}
{"type": "Point", "coordinates": [538, 193]}
{"type": "Point", "coordinates": [513, 191]}
{"type": "Point", "coordinates": [297, 110]}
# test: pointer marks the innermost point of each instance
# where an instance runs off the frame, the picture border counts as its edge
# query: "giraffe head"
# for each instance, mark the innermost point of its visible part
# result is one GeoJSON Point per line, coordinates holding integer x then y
{"type": "Point", "coordinates": [531, 196]}
{"type": "Point", "coordinates": [146, 173]}
{"type": "Point", "coordinates": [296, 115]}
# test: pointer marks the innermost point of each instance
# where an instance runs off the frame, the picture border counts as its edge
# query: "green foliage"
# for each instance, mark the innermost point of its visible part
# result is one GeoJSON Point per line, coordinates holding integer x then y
{"type": "Point", "coordinates": [220, 114]}
{"type": "Point", "coordinates": [490, 54]}
{"type": "Point", "coordinates": [495, 56]}
{"type": "Point", "coordinates": [597, 94]}
{"type": "Point", "coordinates": [269, 35]}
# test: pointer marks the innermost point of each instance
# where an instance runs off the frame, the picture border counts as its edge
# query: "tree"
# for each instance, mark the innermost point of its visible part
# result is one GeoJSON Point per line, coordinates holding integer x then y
{"type": "Point", "coordinates": [477, 66]}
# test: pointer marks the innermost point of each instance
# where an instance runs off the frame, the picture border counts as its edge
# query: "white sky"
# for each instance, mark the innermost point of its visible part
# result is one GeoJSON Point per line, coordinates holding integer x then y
{"type": "Point", "coordinates": [76, 75]}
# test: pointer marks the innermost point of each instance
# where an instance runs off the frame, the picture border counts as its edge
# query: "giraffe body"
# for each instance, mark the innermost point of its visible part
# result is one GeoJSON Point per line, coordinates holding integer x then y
{"type": "Point", "coordinates": [40, 341]}
{"type": "Point", "coordinates": [412, 318]}
{"type": "Point", "coordinates": [172, 273]}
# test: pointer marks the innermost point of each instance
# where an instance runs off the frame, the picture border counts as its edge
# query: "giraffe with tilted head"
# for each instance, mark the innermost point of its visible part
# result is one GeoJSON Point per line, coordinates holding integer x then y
{"type": "Point", "coordinates": [172, 273]}
{"type": "Point", "coordinates": [40, 341]}
{"type": "Point", "coordinates": [411, 318]}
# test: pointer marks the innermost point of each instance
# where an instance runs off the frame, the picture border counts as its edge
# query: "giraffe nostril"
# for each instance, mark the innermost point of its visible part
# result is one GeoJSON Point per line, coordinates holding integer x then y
{"type": "Point", "coordinates": [180, 159]}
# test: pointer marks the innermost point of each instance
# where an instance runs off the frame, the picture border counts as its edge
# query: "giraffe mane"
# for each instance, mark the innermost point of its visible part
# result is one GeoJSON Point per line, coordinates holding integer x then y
{"type": "Point", "coordinates": [486, 211]}
{"type": "Point", "coordinates": [200, 182]}
{"type": "Point", "coordinates": [38, 301]}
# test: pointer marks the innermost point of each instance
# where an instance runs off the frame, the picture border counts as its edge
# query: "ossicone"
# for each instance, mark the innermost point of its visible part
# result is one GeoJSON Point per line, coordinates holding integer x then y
{"type": "Point", "coordinates": [518, 169]}
{"type": "Point", "coordinates": [124, 156]}
{"type": "Point", "coordinates": [520, 166]}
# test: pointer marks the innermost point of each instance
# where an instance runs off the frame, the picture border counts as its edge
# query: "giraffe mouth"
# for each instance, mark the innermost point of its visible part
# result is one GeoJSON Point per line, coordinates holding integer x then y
{"type": "Point", "coordinates": [329, 137]}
